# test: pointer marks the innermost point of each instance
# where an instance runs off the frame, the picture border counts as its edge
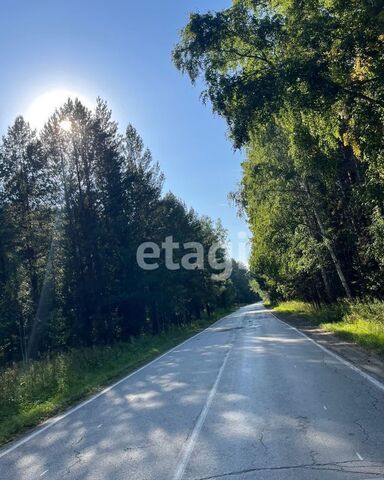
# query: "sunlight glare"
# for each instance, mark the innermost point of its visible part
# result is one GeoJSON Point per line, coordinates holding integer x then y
{"type": "Point", "coordinates": [66, 125]}
{"type": "Point", "coordinates": [45, 105]}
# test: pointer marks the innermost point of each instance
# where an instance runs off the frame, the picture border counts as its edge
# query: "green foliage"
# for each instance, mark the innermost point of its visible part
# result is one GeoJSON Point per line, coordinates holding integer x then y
{"type": "Point", "coordinates": [367, 334]}
{"type": "Point", "coordinates": [360, 321]}
{"type": "Point", "coordinates": [368, 311]}
{"type": "Point", "coordinates": [332, 313]}
{"type": "Point", "coordinates": [75, 205]}
{"type": "Point", "coordinates": [31, 393]}
{"type": "Point", "coordinates": [300, 85]}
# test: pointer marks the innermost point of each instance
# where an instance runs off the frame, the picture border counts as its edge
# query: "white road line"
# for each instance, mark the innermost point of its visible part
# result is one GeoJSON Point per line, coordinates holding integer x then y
{"type": "Point", "coordinates": [368, 377]}
{"type": "Point", "coordinates": [49, 423]}
{"type": "Point", "coordinates": [42, 474]}
{"type": "Point", "coordinates": [190, 444]}
{"type": "Point", "coordinates": [359, 456]}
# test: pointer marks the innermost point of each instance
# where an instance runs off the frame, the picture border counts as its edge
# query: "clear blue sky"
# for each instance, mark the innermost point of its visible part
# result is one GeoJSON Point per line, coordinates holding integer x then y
{"type": "Point", "coordinates": [121, 50]}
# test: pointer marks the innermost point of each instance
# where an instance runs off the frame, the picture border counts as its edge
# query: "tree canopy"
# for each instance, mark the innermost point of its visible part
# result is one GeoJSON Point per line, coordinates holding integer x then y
{"type": "Point", "coordinates": [300, 84]}
{"type": "Point", "coordinates": [76, 202]}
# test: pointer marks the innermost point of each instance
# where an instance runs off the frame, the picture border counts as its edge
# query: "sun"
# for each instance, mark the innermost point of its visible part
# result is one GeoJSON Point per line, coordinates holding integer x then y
{"type": "Point", "coordinates": [44, 105]}
{"type": "Point", "coordinates": [66, 125]}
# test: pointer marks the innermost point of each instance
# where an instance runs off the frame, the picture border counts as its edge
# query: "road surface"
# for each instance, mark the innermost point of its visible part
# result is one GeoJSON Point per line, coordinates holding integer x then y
{"type": "Point", "coordinates": [249, 398]}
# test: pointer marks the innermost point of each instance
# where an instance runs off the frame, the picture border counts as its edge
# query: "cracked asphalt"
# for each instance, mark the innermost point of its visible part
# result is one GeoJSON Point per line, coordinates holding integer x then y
{"type": "Point", "coordinates": [249, 398]}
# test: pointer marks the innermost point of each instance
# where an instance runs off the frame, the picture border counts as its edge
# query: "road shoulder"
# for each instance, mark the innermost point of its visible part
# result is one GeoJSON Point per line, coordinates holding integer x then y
{"type": "Point", "coordinates": [360, 357]}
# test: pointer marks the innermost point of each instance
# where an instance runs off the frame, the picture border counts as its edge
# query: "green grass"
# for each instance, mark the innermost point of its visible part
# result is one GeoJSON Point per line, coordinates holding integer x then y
{"type": "Point", "coordinates": [31, 394]}
{"type": "Point", "coordinates": [364, 333]}
{"type": "Point", "coordinates": [315, 315]}
{"type": "Point", "coordinates": [359, 321]}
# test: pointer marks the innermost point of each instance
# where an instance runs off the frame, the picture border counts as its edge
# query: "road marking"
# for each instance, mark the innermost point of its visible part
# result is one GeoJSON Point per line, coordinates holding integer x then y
{"type": "Point", "coordinates": [51, 422]}
{"type": "Point", "coordinates": [99, 426]}
{"type": "Point", "coordinates": [359, 456]}
{"type": "Point", "coordinates": [325, 408]}
{"type": "Point", "coordinates": [368, 377]}
{"type": "Point", "coordinates": [42, 474]}
{"type": "Point", "coordinates": [188, 447]}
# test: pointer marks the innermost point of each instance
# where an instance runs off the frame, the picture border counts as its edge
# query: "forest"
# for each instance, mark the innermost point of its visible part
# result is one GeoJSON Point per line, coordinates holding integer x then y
{"type": "Point", "coordinates": [128, 335]}
{"type": "Point", "coordinates": [300, 85]}
{"type": "Point", "coordinates": [76, 201]}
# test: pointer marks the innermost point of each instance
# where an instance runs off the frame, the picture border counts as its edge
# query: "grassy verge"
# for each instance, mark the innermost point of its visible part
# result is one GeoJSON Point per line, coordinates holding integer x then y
{"type": "Point", "coordinates": [29, 395]}
{"type": "Point", "coordinates": [360, 321]}
{"type": "Point", "coordinates": [307, 311]}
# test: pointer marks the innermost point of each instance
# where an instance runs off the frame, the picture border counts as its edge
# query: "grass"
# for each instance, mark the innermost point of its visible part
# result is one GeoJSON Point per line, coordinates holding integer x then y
{"type": "Point", "coordinates": [31, 394]}
{"type": "Point", "coordinates": [308, 311]}
{"type": "Point", "coordinates": [359, 321]}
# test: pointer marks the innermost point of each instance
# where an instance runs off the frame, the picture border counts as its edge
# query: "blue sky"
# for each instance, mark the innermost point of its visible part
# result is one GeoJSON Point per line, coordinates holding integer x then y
{"type": "Point", "coordinates": [121, 51]}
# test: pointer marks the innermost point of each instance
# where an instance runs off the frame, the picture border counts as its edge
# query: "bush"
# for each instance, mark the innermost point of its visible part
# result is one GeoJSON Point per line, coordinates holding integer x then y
{"type": "Point", "coordinates": [370, 311]}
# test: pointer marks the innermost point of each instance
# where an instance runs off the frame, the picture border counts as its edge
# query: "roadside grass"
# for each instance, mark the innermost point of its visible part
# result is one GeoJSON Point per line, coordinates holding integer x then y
{"type": "Point", "coordinates": [30, 394]}
{"type": "Point", "coordinates": [359, 321]}
{"type": "Point", "coordinates": [308, 311]}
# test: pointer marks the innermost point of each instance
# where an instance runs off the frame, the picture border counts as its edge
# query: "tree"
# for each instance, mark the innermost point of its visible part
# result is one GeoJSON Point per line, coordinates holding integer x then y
{"type": "Point", "coordinates": [76, 203]}
{"type": "Point", "coordinates": [26, 196]}
{"type": "Point", "coordinates": [300, 86]}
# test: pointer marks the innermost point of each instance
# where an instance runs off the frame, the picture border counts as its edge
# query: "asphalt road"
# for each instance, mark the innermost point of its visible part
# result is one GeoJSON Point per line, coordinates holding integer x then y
{"type": "Point", "coordinates": [249, 398]}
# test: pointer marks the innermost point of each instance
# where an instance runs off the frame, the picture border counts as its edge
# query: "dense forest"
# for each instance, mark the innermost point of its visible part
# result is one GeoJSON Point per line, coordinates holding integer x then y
{"type": "Point", "coordinates": [301, 86]}
{"type": "Point", "coordinates": [76, 201]}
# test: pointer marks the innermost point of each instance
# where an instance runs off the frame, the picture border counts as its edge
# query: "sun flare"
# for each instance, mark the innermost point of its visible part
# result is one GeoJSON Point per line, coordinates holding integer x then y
{"type": "Point", "coordinates": [44, 105]}
{"type": "Point", "coordinates": [66, 125]}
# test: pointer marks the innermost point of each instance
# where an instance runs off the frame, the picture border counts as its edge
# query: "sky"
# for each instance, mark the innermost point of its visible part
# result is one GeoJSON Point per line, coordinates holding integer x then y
{"type": "Point", "coordinates": [120, 50]}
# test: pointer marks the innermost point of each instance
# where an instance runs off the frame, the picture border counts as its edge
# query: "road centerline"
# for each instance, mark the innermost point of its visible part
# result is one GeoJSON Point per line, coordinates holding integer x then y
{"type": "Point", "coordinates": [188, 447]}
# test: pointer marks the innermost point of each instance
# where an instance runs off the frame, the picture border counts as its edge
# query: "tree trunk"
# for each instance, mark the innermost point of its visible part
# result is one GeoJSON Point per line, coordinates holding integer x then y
{"type": "Point", "coordinates": [332, 252]}
{"type": "Point", "coordinates": [328, 244]}
{"type": "Point", "coordinates": [326, 283]}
